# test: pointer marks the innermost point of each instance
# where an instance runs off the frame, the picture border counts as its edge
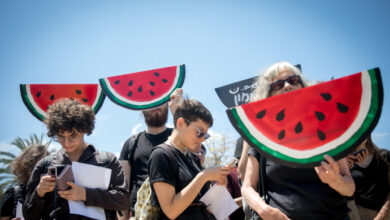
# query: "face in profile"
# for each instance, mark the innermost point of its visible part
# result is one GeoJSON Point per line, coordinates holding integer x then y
{"type": "Point", "coordinates": [156, 117]}
{"type": "Point", "coordinates": [285, 81]}
{"type": "Point", "coordinates": [193, 134]}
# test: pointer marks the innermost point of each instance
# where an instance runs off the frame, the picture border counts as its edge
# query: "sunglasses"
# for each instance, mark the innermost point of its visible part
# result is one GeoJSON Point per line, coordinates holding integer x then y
{"type": "Point", "coordinates": [199, 133]}
{"type": "Point", "coordinates": [292, 80]}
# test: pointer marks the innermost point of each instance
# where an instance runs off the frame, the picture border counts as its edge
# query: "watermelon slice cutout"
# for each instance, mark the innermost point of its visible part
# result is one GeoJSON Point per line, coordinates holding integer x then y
{"type": "Point", "coordinates": [144, 90]}
{"type": "Point", "coordinates": [37, 97]}
{"type": "Point", "coordinates": [297, 128]}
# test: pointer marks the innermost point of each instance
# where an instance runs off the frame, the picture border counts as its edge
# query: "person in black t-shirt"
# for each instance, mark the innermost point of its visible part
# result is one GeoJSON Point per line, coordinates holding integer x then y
{"type": "Point", "coordinates": [370, 170]}
{"type": "Point", "coordinates": [137, 149]}
{"type": "Point", "coordinates": [178, 191]}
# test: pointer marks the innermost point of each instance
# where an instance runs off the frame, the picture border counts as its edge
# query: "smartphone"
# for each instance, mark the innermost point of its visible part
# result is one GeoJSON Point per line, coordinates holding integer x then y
{"type": "Point", "coordinates": [359, 152]}
{"type": "Point", "coordinates": [52, 171]}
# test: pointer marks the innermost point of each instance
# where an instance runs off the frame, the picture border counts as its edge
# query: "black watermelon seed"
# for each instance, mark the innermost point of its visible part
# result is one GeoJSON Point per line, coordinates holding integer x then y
{"type": "Point", "coordinates": [131, 83]}
{"type": "Point", "coordinates": [78, 92]}
{"type": "Point", "coordinates": [281, 134]}
{"type": "Point", "coordinates": [342, 108]}
{"type": "Point", "coordinates": [298, 128]}
{"type": "Point", "coordinates": [151, 83]}
{"type": "Point", "coordinates": [117, 82]}
{"type": "Point", "coordinates": [85, 100]}
{"type": "Point", "coordinates": [320, 135]}
{"type": "Point", "coordinates": [261, 114]}
{"type": "Point", "coordinates": [130, 93]}
{"type": "Point", "coordinates": [320, 116]}
{"type": "Point", "coordinates": [156, 74]}
{"type": "Point", "coordinates": [326, 96]}
{"type": "Point", "coordinates": [151, 93]}
{"type": "Point", "coordinates": [164, 80]}
{"type": "Point", "coordinates": [280, 116]}
{"type": "Point", "coordinates": [140, 89]}
{"type": "Point", "coordinates": [38, 94]}
{"type": "Point", "coordinates": [52, 97]}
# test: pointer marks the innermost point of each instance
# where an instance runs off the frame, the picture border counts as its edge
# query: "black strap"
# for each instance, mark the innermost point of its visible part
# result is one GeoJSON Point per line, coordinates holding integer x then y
{"type": "Point", "coordinates": [132, 143]}
{"type": "Point", "coordinates": [262, 190]}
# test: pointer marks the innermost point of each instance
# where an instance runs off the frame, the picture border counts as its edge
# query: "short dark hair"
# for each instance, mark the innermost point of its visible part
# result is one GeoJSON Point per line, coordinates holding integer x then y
{"type": "Point", "coordinates": [66, 115]}
{"type": "Point", "coordinates": [192, 110]}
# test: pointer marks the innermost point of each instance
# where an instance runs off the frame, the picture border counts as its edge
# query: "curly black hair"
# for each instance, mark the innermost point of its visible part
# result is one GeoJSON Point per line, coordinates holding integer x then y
{"type": "Point", "coordinates": [66, 115]}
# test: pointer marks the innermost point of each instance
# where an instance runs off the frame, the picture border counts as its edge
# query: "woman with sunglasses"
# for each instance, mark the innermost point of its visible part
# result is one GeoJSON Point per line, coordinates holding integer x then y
{"type": "Point", "coordinates": [178, 191]}
{"type": "Point", "coordinates": [69, 121]}
{"type": "Point", "coordinates": [294, 193]}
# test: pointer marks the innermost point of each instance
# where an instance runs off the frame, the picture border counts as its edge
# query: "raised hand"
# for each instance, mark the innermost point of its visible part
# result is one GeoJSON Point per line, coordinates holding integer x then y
{"type": "Point", "coordinates": [46, 184]}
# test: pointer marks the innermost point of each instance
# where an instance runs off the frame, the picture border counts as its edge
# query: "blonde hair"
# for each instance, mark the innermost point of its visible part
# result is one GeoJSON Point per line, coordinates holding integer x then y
{"type": "Point", "coordinates": [266, 77]}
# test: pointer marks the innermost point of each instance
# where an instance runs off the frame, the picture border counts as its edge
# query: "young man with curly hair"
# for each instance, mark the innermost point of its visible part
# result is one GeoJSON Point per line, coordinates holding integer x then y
{"type": "Point", "coordinates": [69, 121]}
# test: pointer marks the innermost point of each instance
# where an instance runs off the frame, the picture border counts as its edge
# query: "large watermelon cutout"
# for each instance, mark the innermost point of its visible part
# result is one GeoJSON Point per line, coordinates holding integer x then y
{"type": "Point", "coordinates": [37, 97]}
{"type": "Point", "coordinates": [297, 128]}
{"type": "Point", "coordinates": [144, 90]}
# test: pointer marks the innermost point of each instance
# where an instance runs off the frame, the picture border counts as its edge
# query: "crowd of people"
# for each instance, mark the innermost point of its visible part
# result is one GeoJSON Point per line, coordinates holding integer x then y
{"type": "Point", "coordinates": [172, 159]}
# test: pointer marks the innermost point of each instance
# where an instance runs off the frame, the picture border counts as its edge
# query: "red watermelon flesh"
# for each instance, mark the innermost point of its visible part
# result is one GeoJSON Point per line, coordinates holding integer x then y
{"type": "Point", "coordinates": [144, 90]}
{"type": "Point", "coordinates": [144, 86]}
{"type": "Point", "coordinates": [297, 128]}
{"type": "Point", "coordinates": [38, 97]}
{"type": "Point", "coordinates": [289, 122]}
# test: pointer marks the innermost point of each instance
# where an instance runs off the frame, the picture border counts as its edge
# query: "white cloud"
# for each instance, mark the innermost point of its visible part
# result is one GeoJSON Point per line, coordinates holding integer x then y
{"type": "Point", "coordinates": [380, 135]}
{"type": "Point", "coordinates": [4, 146]}
{"type": "Point", "coordinates": [136, 129]}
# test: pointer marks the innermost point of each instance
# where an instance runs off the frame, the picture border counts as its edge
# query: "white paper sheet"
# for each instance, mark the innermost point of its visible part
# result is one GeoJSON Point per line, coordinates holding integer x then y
{"type": "Point", "coordinates": [89, 176]}
{"type": "Point", "coordinates": [219, 201]}
{"type": "Point", "coordinates": [19, 211]}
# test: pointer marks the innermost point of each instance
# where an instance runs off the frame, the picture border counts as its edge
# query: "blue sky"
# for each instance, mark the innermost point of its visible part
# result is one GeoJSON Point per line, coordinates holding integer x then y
{"type": "Point", "coordinates": [220, 42]}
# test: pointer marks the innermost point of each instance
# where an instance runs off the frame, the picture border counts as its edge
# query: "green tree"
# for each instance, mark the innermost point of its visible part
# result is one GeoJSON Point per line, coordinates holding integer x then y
{"type": "Point", "coordinates": [7, 178]}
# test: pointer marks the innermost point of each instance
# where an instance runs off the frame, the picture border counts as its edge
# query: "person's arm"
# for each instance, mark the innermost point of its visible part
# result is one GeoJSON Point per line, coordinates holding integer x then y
{"type": "Point", "coordinates": [243, 161]}
{"type": "Point", "coordinates": [35, 205]}
{"type": "Point", "coordinates": [336, 175]}
{"type": "Point", "coordinates": [173, 204]}
{"type": "Point", "coordinates": [175, 98]}
{"type": "Point", "coordinates": [126, 169]}
{"type": "Point", "coordinates": [252, 197]}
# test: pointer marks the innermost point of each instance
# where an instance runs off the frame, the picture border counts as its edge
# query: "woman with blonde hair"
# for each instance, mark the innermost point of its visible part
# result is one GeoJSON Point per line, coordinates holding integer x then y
{"type": "Point", "coordinates": [294, 193]}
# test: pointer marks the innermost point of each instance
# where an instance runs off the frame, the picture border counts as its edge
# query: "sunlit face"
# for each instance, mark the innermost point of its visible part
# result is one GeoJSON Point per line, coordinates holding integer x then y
{"type": "Point", "coordinates": [290, 83]}
{"type": "Point", "coordinates": [72, 141]}
{"type": "Point", "coordinates": [190, 134]}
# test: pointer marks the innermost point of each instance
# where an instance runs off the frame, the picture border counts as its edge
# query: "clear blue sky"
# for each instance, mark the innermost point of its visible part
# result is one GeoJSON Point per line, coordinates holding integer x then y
{"type": "Point", "coordinates": [72, 41]}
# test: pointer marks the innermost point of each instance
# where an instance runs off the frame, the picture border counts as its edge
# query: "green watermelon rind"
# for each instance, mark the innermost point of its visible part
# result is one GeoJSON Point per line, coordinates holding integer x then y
{"type": "Point", "coordinates": [365, 128]}
{"type": "Point", "coordinates": [40, 114]}
{"type": "Point", "coordinates": [124, 102]}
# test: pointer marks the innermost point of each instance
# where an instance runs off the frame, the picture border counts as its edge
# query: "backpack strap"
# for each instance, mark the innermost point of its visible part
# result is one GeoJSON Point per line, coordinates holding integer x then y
{"type": "Point", "coordinates": [132, 143]}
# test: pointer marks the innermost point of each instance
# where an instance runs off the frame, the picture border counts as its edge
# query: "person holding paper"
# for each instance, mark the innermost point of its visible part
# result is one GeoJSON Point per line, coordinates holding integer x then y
{"type": "Point", "coordinates": [294, 193]}
{"type": "Point", "coordinates": [68, 122]}
{"type": "Point", "coordinates": [178, 191]}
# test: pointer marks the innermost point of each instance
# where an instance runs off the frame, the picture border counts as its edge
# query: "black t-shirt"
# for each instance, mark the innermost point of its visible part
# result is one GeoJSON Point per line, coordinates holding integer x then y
{"type": "Point", "coordinates": [188, 166]}
{"type": "Point", "coordinates": [138, 160]}
{"type": "Point", "coordinates": [299, 193]}
{"type": "Point", "coordinates": [371, 182]}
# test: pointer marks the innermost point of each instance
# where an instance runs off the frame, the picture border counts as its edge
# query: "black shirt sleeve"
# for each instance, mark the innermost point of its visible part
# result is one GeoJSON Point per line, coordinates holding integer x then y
{"type": "Point", "coordinates": [160, 168]}
{"type": "Point", "coordinates": [125, 150]}
{"type": "Point", "coordinates": [7, 203]}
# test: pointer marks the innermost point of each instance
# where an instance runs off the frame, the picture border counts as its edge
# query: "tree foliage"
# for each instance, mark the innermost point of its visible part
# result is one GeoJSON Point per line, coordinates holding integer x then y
{"type": "Point", "coordinates": [220, 148]}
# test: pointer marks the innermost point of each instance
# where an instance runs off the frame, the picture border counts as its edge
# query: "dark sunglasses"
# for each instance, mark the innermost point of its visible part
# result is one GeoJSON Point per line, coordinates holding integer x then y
{"type": "Point", "coordinates": [292, 80]}
{"type": "Point", "coordinates": [199, 133]}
